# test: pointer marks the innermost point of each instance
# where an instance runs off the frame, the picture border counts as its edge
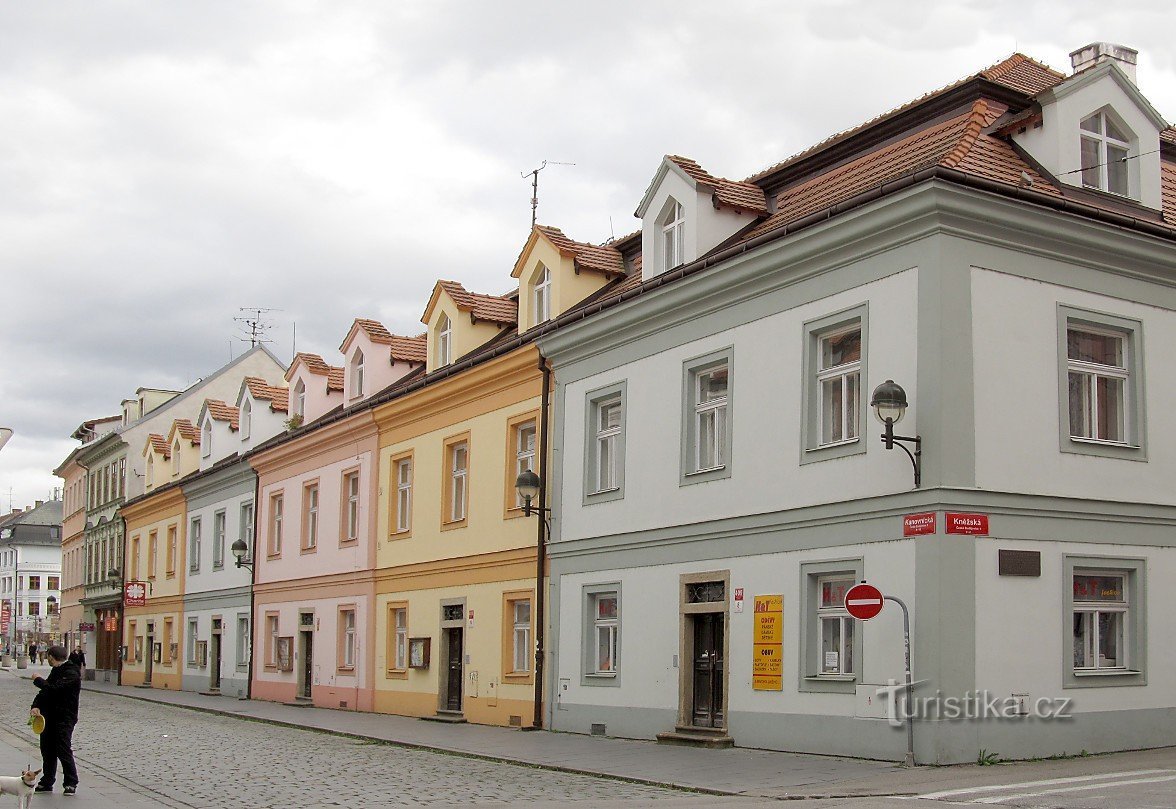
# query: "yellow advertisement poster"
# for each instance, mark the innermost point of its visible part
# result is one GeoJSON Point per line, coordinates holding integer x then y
{"type": "Point", "coordinates": [767, 664]}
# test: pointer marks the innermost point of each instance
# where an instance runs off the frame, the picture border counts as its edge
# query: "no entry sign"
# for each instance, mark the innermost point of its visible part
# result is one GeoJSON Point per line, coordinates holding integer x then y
{"type": "Point", "coordinates": [863, 601]}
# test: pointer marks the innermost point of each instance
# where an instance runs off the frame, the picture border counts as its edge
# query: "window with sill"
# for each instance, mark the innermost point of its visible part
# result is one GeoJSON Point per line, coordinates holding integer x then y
{"type": "Point", "coordinates": [402, 503]}
{"type": "Point", "coordinates": [831, 648]}
{"type": "Point", "coordinates": [706, 446]}
{"type": "Point", "coordinates": [400, 641]}
{"type": "Point", "coordinates": [175, 459]}
{"type": "Point", "coordinates": [1105, 148]}
{"type": "Point", "coordinates": [541, 296]}
{"type": "Point", "coordinates": [444, 347]}
{"type": "Point", "coordinates": [458, 488]}
{"type": "Point", "coordinates": [275, 534]}
{"type": "Point", "coordinates": [300, 399]}
{"type": "Point", "coordinates": [357, 373]}
{"type": "Point", "coordinates": [673, 235]}
{"type": "Point", "coordinates": [206, 438]}
{"type": "Point", "coordinates": [524, 454]}
{"type": "Point", "coordinates": [1104, 611]}
{"type": "Point", "coordinates": [1101, 384]}
{"type": "Point", "coordinates": [604, 638]}
{"type": "Point", "coordinates": [520, 645]}
{"type": "Point", "coordinates": [218, 539]}
{"type": "Point", "coordinates": [194, 546]}
{"type": "Point", "coordinates": [347, 635]}
{"type": "Point", "coordinates": [310, 521]}
{"type": "Point", "coordinates": [351, 506]}
{"type": "Point", "coordinates": [835, 365]}
{"type": "Point", "coordinates": [604, 449]}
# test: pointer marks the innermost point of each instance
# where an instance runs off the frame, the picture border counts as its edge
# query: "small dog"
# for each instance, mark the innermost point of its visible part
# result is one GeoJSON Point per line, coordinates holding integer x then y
{"type": "Point", "coordinates": [21, 787]}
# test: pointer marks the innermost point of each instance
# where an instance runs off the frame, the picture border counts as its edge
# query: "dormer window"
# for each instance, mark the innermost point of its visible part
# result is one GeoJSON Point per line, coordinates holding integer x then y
{"type": "Point", "coordinates": [300, 399]}
{"type": "Point", "coordinates": [541, 298]}
{"type": "Point", "coordinates": [673, 228]}
{"type": "Point", "coordinates": [206, 438]}
{"type": "Point", "coordinates": [246, 418]}
{"type": "Point", "coordinates": [150, 471]}
{"type": "Point", "coordinates": [444, 341]}
{"type": "Point", "coordinates": [176, 458]}
{"type": "Point", "coordinates": [357, 373]}
{"type": "Point", "coordinates": [1104, 154]}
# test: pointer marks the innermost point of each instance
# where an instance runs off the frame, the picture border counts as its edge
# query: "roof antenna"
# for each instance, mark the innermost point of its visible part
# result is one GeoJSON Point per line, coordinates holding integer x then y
{"type": "Point", "coordinates": [254, 328]}
{"type": "Point", "coordinates": [534, 175]}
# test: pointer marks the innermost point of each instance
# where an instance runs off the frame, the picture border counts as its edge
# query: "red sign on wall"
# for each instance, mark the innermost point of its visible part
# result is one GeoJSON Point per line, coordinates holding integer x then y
{"type": "Point", "coordinates": [915, 524]}
{"type": "Point", "coordinates": [976, 524]}
{"type": "Point", "coordinates": [5, 617]}
{"type": "Point", "coordinates": [135, 594]}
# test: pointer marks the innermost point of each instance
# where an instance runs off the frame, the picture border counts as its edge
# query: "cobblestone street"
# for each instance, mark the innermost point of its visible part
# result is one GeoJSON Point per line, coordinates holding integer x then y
{"type": "Point", "coordinates": [228, 758]}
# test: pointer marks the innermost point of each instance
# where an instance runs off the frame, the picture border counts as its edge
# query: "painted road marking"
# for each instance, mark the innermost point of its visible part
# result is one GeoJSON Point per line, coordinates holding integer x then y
{"type": "Point", "coordinates": [1104, 785]}
{"type": "Point", "coordinates": [953, 793]}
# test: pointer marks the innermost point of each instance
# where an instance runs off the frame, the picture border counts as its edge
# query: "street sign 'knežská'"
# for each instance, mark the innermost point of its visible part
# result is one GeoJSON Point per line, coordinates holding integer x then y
{"type": "Point", "coordinates": [863, 601]}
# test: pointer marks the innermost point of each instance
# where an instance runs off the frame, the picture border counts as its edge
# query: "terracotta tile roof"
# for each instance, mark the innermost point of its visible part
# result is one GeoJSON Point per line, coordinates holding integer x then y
{"type": "Point", "coordinates": [261, 390]}
{"type": "Point", "coordinates": [187, 431]}
{"type": "Point", "coordinates": [496, 309]}
{"type": "Point", "coordinates": [313, 362]}
{"type": "Point", "coordinates": [223, 412]}
{"type": "Point", "coordinates": [1169, 135]}
{"type": "Point", "coordinates": [602, 258]}
{"type": "Point", "coordinates": [958, 143]}
{"type": "Point", "coordinates": [159, 445]}
{"type": "Point", "coordinates": [743, 195]}
{"type": "Point", "coordinates": [1168, 191]}
{"type": "Point", "coordinates": [408, 349]}
{"type": "Point", "coordinates": [1017, 72]}
{"type": "Point", "coordinates": [334, 378]}
{"type": "Point", "coordinates": [375, 330]}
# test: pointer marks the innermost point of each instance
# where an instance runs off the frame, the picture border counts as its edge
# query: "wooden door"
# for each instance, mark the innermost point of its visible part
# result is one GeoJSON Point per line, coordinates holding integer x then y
{"type": "Point", "coordinates": [215, 664]}
{"type": "Point", "coordinates": [708, 670]}
{"type": "Point", "coordinates": [456, 670]}
{"type": "Point", "coordinates": [150, 659]}
{"type": "Point", "coordinates": [307, 672]}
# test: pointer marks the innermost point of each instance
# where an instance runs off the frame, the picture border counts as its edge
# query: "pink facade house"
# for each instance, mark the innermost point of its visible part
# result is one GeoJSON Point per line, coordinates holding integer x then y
{"type": "Point", "coordinates": [315, 544]}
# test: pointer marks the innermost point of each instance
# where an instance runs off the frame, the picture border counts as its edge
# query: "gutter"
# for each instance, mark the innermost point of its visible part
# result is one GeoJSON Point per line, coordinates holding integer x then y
{"type": "Point", "coordinates": [541, 543]}
{"type": "Point", "coordinates": [253, 584]}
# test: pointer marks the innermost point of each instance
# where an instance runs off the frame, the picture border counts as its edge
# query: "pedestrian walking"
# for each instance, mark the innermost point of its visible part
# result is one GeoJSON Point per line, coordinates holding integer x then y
{"type": "Point", "coordinates": [57, 701]}
{"type": "Point", "coordinates": [78, 656]}
{"type": "Point", "coordinates": [32, 654]}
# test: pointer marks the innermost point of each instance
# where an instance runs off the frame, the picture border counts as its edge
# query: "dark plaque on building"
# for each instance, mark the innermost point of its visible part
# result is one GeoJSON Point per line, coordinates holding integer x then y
{"type": "Point", "coordinates": [1019, 563]}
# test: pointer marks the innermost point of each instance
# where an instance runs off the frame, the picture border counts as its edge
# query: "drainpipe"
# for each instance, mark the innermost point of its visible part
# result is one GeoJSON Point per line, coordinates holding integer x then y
{"type": "Point", "coordinates": [253, 582]}
{"type": "Point", "coordinates": [122, 617]}
{"type": "Point", "coordinates": [541, 543]}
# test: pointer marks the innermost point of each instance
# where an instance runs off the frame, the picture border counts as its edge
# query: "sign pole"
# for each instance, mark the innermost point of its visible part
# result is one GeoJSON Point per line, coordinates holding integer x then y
{"type": "Point", "coordinates": [910, 688]}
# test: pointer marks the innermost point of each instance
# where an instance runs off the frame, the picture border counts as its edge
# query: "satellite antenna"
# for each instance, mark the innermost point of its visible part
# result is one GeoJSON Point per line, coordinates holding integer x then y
{"type": "Point", "coordinates": [534, 175]}
{"type": "Point", "coordinates": [253, 327]}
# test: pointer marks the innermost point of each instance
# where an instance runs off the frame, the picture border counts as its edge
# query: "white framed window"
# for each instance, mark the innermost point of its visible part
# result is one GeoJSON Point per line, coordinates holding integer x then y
{"type": "Point", "coordinates": [193, 636]}
{"type": "Point", "coordinates": [351, 492]}
{"type": "Point", "coordinates": [400, 619]}
{"type": "Point", "coordinates": [247, 527]}
{"type": "Point", "coordinates": [1100, 621]}
{"type": "Point", "coordinates": [541, 296]}
{"type": "Point", "coordinates": [1097, 378]}
{"type": "Point", "coordinates": [1105, 629]}
{"type": "Point", "coordinates": [242, 640]}
{"type": "Point", "coordinates": [275, 538]}
{"type": "Point", "coordinates": [839, 384]}
{"type": "Point", "coordinates": [706, 417]}
{"type": "Point", "coordinates": [218, 539]}
{"type": "Point", "coordinates": [521, 636]}
{"type": "Point", "coordinates": [444, 350]}
{"type": "Point", "coordinates": [271, 630]}
{"type": "Point", "coordinates": [835, 626]}
{"type": "Point", "coordinates": [606, 632]}
{"type": "Point", "coordinates": [151, 470]}
{"type": "Point", "coordinates": [1105, 146]}
{"type": "Point", "coordinates": [300, 399]}
{"type": "Point", "coordinates": [310, 504]}
{"type": "Point", "coordinates": [347, 619]}
{"type": "Point", "coordinates": [206, 438]}
{"type": "Point", "coordinates": [175, 467]}
{"type": "Point", "coordinates": [524, 453]}
{"type": "Point", "coordinates": [608, 432]}
{"type": "Point", "coordinates": [194, 546]}
{"type": "Point", "coordinates": [458, 480]}
{"type": "Point", "coordinates": [673, 235]}
{"type": "Point", "coordinates": [403, 495]}
{"type": "Point", "coordinates": [246, 418]}
{"type": "Point", "coordinates": [357, 373]}
{"type": "Point", "coordinates": [604, 450]}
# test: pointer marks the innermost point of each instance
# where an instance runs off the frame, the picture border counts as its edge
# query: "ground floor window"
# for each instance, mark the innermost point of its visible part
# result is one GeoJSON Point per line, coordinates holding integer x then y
{"type": "Point", "coordinates": [521, 635]}
{"type": "Point", "coordinates": [836, 626]}
{"type": "Point", "coordinates": [242, 640]}
{"type": "Point", "coordinates": [1105, 627]}
{"type": "Point", "coordinates": [607, 628]}
{"type": "Point", "coordinates": [1100, 621]}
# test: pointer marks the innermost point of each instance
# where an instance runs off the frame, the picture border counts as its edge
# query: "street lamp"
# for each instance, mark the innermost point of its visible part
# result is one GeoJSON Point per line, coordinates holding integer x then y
{"type": "Point", "coordinates": [114, 577]}
{"type": "Point", "coordinates": [890, 403]}
{"type": "Point", "coordinates": [240, 549]}
{"type": "Point", "coordinates": [527, 485]}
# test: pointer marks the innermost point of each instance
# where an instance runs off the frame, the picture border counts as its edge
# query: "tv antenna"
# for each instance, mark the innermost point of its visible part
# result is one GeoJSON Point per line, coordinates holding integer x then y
{"type": "Point", "coordinates": [253, 327]}
{"type": "Point", "coordinates": [534, 175]}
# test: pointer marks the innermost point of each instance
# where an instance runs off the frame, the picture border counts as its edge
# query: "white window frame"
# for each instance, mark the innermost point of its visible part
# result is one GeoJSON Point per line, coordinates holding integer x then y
{"type": "Point", "coordinates": [1132, 607]}
{"type": "Point", "coordinates": [246, 418]}
{"type": "Point", "coordinates": [243, 637]}
{"type": "Point", "coordinates": [605, 443]}
{"type": "Point", "coordinates": [400, 627]}
{"type": "Point", "coordinates": [458, 481]}
{"type": "Point", "coordinates": [311, 493]}
{"type": "Point", "coordinates": [403, 495]}
{"type": "Point", "coordinates": [277, 505]}
{"type": "Point", "coordinates": [814, 445]}
{"type": "Point", "coordinates": [1092, 373]}
{"type": "Point", "coordinates": [541, 297]}
{"type": "Point", "coordinates": [673, 235]}
{"type": "Point", "coordinates": [521, 637]}
{"type": "Point", "coordinates": [524, 455]}
{"type": "Point", "coordinates": [846, 376]}
{"type": "Point", "coordinates": [351, 479]}
{"type": "Point", "coordinates": [194, 546]}
{"type": "Point", "coordinates": [444, 353]}
{"type": "Point", "coordinates": [300, 399]}
{"type": "Point", "coordinates": [206, 437]}
{"type": "Point", "coordinates": [193, 637]}
{"type": "Point", "coordinates": [219, 528]}
{"type": "Point", "coordinates": [349, 637]}
{"type": "Point", "coordinates": [846, 629]}
{"type": "Point", "coordinates": [247, 518]}
{"type": "Point", "coordinates": [812, 674]}
{"type": "Point", "coordinates": [357, 373]}
{"type": "Point", "coordinates": [1108, 151]}
{"type": "Point", "coordinates": [696, 412]}
{"type": "Point", "coordinates": [611, 626]}
{"type": "Point", "coordinates": [1091, 611]}
{"type": "Point", "coordinates": [273, 630]}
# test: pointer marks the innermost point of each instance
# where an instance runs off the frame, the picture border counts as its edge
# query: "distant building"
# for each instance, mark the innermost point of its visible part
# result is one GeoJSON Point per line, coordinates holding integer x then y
{"type": "Point", "coordinates": [30, 575]}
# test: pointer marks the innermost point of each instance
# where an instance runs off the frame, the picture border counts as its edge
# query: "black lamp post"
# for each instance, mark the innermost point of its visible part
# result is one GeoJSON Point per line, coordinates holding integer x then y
{"type": "Point", "coordinates": [527, 485]}
{"type": "Point", "coordinates": [890, 403]}
{"type": "Point", "coordinates": [240, 549]}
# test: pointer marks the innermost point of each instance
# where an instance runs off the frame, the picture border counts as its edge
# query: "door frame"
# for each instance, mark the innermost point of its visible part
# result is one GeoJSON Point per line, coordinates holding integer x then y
{"type": "Point", "coordinates": [686, 642]}
{"type": "Point", "coordinates": [216, 640]}
{"type": "Point", "coordinates": [443, 668]}
{"type": "Point", "coordinates": [149, 660]}
{"type": "Point", "coordinates": [304, 688]}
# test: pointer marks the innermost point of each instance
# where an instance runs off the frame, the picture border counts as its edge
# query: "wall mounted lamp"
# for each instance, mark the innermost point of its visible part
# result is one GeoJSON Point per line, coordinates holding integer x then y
{"type": "Point", "coordinates": [240, 549]}
{"type": "Point", "coordinates": [890, 403]}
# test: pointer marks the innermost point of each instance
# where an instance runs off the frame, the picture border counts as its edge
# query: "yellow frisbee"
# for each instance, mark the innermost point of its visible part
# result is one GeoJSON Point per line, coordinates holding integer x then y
{"type": "Point", "coordinates": [38, 724]}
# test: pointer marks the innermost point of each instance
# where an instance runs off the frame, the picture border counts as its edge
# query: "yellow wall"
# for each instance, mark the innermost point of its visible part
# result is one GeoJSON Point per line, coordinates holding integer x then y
{"type": "Point", "coordinates": [567, 286]}
{"type": "Point", "coordinates": [167, 617]}
{"type": "Point", "coordinates": [157, 513]}
{"type": "Point", "coordinates": [467, 335]}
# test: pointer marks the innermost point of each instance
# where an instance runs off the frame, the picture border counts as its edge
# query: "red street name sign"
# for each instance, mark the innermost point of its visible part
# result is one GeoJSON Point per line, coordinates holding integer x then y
{"type": "Point", "coordinates": [135, 594]}
{"type": "Point", "coordinates": [863, 601]}
{"type": "Point", "coordinates": [915, 524]}
{"type": "Point", "coordinates": [976, 524]}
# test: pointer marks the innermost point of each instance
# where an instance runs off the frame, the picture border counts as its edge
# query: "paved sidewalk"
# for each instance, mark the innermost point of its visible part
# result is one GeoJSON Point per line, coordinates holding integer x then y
{"type": "Point", "coordinates": [736, 771]}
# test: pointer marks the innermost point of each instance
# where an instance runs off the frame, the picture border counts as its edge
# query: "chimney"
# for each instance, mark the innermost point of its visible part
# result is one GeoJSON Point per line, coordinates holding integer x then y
{"type": "Point", "coordinates": [1096, 53]}
{"type": "Point", "coordinates": [39, 503]}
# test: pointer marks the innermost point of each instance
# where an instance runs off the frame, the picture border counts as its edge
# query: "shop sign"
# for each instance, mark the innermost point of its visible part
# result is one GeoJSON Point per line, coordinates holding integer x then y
{"type": "Point", "coordinates": [5, 617]}
{"type": "Point", "coordinates": [767, 664]}
{"type": "Point", "coordinates": [135, 594]}
{"type": "Point", "coordinates": [738, 599]}
{"type": "Point", "coordinates": [85, 626]}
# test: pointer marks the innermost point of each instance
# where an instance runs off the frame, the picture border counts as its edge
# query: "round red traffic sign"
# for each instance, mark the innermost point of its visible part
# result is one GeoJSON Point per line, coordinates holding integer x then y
{"type": "Point", "coordinates": [863, 601]}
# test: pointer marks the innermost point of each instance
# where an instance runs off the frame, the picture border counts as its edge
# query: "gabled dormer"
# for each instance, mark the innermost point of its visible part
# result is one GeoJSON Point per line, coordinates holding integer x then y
{"type": "Point", "coordinates": [219, 431]}
{"type": "Point", "coordinates": [183, 442]}
{"type": "Point", "coordinates": [1095, 131]}
{"type": "Point", "coordinates": [687, 212]}
{"type": "Point", "coordinates": [374, 358]}
{"type": "Point", "coordinates": [262, 411]}
{"type": "Point", "coordinates": [459, 321]}
{"type": "Point", "coordinates": [157, 452]}
{"type": "Point", "coordinates": [315, 388]}
{"type": "Point", "coordinates": [555, 273]}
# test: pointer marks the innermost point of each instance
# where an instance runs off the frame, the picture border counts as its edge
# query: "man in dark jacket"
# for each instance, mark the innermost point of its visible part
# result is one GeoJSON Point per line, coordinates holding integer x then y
{"type": "Point", "coordinates": [57, 701]}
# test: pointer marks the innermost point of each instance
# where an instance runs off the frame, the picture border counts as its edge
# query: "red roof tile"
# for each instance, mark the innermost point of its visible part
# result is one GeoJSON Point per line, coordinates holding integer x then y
{"type": "Point", "coordinates": [334, 378]}
{"type": "Point", "coordinates": [743, 195]}
{"type": "Point", "coordinates": [263, 391]}
{"type": "Point", "coordinates": [159, 445]}
{"type": "Point", "coordinates": [497, 309]}
{"type": "Point", "coordinates": [223, 412]}
{"type": "Point", "coordinates": [408, 349]}
{"type": "Point", "coordinates": [602, 258]}
{"type": "Point", "coordinates": [187, 431]}
{"type": "Point", "coordinates": [1168, 191]}
{"type": "Point", "coordinates": [313, 362]}
{"type": "Point", "coordinates": [375, 330]}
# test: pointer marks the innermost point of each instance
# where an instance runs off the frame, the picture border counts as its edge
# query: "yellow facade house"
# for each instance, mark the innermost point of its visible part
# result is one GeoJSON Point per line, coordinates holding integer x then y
{"type": "Point", "coordinates": [456, 558]}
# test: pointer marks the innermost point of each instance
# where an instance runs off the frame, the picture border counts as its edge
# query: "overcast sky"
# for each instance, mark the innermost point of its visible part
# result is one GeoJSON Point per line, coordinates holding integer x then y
{"type": "Point", "coordinates": [163, 164]}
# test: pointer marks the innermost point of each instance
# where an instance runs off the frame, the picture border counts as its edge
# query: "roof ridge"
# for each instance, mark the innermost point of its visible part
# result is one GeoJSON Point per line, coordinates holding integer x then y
{"type": "Point", "coordinates": [977, 120]}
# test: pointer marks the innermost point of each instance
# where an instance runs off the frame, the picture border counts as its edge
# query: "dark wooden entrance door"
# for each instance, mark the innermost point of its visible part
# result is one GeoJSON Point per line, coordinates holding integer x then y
{"type": "Point", "coordinates": [708, 670]}
{"type": "Point", "coordinates": [149, 663]}
{"type": "Point", "coordinates": [307, 673]}
{"type": "Point", "coordinates": [456, 670]}
{"type": "Point", "coordinates": [215, 664]}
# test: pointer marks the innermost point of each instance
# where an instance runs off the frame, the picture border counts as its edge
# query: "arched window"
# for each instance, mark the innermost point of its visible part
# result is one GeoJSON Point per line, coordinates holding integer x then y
{"type": "Point", "coordinates": [673, 230]}
{"type": "Point", "coordinates": [300, 399]}
{"type": "Point", "coordinates": [206, 438]}
{"type": "Point", "coordinates": [150, 470]}
{"type": "Point", "coordinates": [357, 373]}
{"type": "Point", "coordinates": [176, 458]}
{"type": "Point", "coordinates": [541, 299]}
{"type": "Point", "coordinates": [444, 353]}
{"type": "Point", "coordinates": [1104, 154]}
{"type": "Point", "coordinates": [246, 418]}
